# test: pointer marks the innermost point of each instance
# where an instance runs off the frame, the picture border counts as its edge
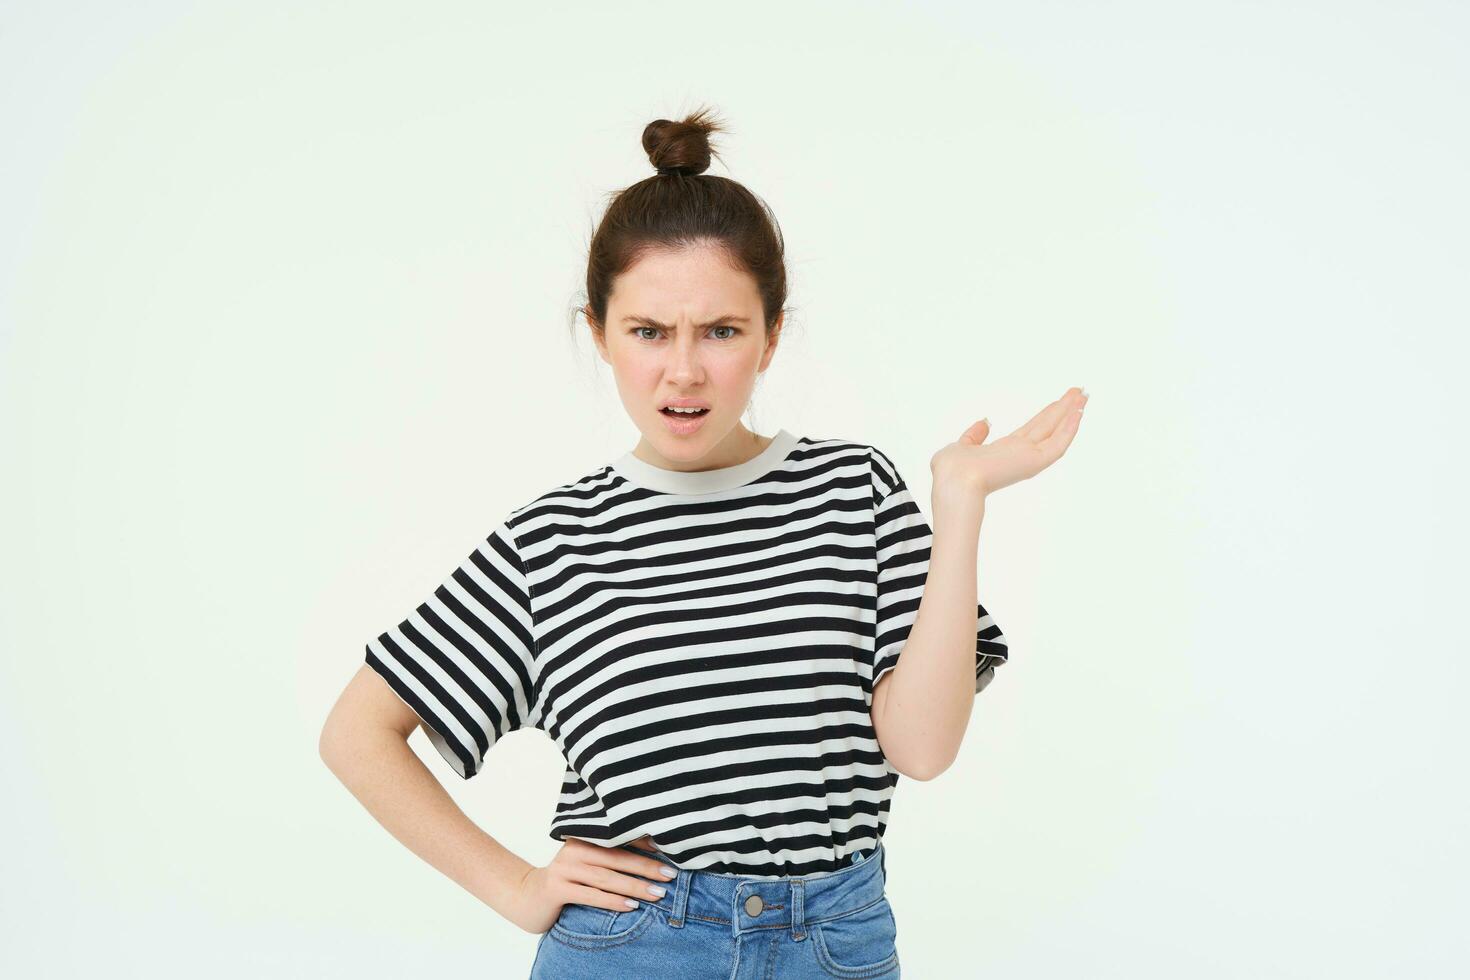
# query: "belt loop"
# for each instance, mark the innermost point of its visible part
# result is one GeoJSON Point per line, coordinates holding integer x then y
{"type": "Point", "coordinates": [682, 884]}
{"type": "Point", "coordinates": [798, 909]}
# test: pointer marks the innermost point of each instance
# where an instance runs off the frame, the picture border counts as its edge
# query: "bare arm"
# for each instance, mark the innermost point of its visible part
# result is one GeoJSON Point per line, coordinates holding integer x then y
{"type": "Point", "coordinates": [365, 744]}
{"type": "Point", "coordinates": [922, 707]}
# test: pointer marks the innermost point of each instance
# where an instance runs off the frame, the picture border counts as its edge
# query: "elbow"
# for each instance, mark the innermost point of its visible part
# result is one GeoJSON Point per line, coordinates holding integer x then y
{"type": "Point", "coordinates": [325, 746]}
{"type": "Point", "coordinates": [331, 744]}
{"type": "Point", "coordinates": [926, 769]}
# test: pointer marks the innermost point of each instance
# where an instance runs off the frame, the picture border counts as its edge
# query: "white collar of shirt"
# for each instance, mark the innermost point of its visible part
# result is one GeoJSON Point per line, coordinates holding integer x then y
{"type": "Point", "coordinates": [706, 481]}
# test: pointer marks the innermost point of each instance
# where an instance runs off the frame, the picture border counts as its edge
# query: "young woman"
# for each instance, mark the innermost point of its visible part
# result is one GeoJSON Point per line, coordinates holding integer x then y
{"type": "Point", "coordinates": [738, 641]}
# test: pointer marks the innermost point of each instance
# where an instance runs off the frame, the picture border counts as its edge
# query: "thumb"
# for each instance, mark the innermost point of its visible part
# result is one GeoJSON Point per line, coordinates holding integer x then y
{"type": "Point", "coordinates": [977, 433]}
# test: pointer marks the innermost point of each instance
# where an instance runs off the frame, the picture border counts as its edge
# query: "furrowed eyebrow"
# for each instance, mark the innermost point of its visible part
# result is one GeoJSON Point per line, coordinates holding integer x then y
{"type": "Point", "coordinates": [651, 322]}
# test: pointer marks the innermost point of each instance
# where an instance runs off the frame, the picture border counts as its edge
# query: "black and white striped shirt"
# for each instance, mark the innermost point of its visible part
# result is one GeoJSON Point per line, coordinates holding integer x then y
{"type": "Point", "coordinates": [702, 647]}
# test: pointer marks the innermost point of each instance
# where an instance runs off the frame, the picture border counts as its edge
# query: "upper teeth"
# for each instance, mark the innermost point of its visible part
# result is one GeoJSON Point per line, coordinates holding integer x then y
{"type": "Point", "coordinates": [676, 408]}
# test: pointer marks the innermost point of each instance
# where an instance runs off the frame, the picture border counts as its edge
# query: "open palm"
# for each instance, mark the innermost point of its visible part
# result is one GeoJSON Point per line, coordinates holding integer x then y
{"type": "Point", "coordinates": [974, 465]}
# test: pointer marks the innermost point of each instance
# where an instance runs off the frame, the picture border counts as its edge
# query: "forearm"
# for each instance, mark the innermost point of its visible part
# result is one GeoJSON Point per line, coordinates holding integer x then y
{"type": "Point", "coordinates": [385, 775]}
{"type": "Point", "coordinates": [930, 694]}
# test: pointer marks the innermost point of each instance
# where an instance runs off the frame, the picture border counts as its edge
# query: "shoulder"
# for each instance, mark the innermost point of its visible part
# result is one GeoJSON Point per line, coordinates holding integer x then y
{"type": "Point", "coordinates": [882, 471]}
{"type": "Point", "coordinates": [564, 502]}
{"type": "Point", "coordinates": [886, 477]}
{"type": "Point", "coordinates": [834, 453]}
{"type": "Point", "coordinates": [862, 456]}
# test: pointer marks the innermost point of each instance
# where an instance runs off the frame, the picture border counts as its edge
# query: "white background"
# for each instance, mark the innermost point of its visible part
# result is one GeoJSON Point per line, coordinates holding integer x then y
{"type": "Point", "coordinates": [285, 296]}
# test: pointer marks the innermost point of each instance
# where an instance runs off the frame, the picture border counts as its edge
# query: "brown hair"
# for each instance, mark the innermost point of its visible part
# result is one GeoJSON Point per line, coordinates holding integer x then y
{"type": "Point", "coordinates": [680, 206]}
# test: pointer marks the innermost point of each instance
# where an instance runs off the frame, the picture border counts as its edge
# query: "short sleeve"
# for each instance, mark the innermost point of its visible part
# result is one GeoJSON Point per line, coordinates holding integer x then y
{"type": "Point", "coordinates": [464, 659]}
{"type": "Point", "coordinates": [903, 540]}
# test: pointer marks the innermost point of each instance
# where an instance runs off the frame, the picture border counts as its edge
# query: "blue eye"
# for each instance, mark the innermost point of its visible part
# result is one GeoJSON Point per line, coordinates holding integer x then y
{"type": "Point", "coordinates": [636, 329]}
{"type": "Point", "coordinates": [726, 327]}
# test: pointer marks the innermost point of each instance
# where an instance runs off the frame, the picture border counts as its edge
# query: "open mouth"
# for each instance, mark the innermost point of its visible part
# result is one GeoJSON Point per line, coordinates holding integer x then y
{"type": "Point", "coordinates": [684, 413]}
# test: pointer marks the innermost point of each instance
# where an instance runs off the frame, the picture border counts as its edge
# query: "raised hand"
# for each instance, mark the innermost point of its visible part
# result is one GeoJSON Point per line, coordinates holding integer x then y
{"type": "Point", "coordinates": [970, 465]}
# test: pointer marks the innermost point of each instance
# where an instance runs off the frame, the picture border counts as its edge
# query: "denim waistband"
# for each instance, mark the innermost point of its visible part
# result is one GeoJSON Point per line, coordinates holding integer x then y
{"type": "Point", "coordinates": [785, 903]}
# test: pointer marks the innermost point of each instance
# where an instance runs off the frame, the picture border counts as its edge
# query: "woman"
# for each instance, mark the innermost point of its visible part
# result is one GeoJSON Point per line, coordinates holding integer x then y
{"type": "Point", "coordinates": [722, 631]}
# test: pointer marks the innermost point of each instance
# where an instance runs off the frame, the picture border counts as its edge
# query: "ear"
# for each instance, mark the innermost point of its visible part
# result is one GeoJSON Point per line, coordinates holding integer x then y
{"type": "Point", "coordinates": [598, 336]}
{"type": "Point", "coordinates": [773, 338]}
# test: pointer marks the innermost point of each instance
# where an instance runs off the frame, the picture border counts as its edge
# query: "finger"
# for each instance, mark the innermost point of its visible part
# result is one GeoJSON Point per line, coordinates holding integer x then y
{"type": "Point", "coordinates": [975, 434]}
{"type": "Point", "coordinates": [618, 883]}
{"type": "Point", "coordinates": [615, 860]}
{"type": "Point", "coordinates": [1037, 424]}
{"type": "Point", "coordinates": [646, 842]}
{"type": "Point", "coordinates": [599, 899]}
{"type": "Point", "coordinates": [1044, 422]}
{"type": "Point", "coordinates": [1054, 445]}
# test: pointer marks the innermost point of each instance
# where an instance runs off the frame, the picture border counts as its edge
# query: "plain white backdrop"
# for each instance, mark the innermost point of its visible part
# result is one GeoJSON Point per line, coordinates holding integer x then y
{"type": "Point", "coordinates": [285, 296]}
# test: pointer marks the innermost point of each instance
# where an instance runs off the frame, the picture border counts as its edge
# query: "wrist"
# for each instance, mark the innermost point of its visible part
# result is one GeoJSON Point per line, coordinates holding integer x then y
{"type": "Point", "coordinates": [958, 491]}
{"type": "Point", "coordinates": [501, 879]}
{"type": "Point", "coordinates": [953, 504]}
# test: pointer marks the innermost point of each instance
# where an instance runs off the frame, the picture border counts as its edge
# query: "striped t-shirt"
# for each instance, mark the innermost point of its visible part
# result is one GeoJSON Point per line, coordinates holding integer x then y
{"type": "Point", "coordinates": [701, 646]}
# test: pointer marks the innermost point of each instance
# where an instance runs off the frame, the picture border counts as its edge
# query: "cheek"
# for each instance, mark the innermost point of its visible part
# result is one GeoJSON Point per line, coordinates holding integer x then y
{"type": "Point", "coordinates": [736, 371]}
{"type": "Point", "coordinates": [635, 372]}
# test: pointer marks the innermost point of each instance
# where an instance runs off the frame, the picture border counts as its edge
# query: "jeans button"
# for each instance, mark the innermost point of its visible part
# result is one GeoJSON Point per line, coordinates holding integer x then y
{"type": "Point", "coordinates": [753, 905]}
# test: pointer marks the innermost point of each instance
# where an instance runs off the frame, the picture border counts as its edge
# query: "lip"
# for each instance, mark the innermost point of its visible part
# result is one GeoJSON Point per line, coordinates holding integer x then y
{"type": "Point", "coordinates": [684, 403]}
{"type": "Point", "coordinates": [684, 426]}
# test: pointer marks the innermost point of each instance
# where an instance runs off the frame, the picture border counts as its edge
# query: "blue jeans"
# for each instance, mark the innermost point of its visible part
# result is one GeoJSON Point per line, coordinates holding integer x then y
{"type": "Point", "coordinates": [707, 927]}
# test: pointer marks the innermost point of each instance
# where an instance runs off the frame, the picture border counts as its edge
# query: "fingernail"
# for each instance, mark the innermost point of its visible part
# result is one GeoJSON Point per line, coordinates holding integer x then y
{"type": "Point", "coordinates": [632, 903]}
{"type": "Point", "coordinates": [666, 871]}
{"type": "Point", "coordinates": [657, 891]}
{"type": "Point", "coordinates": [1084, 392]}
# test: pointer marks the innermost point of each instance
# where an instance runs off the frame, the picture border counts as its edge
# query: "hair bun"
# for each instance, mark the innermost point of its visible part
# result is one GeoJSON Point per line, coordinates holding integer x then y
{"type": "Point", "coordinates": [681, 147]}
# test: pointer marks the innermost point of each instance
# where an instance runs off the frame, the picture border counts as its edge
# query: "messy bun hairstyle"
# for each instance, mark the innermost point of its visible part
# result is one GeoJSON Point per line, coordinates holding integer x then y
{"type": "Point", "coordinates": [679, 206]}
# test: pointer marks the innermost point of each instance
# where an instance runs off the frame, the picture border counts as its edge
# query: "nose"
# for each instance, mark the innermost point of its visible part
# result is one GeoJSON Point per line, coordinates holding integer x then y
{"type": "Point", "coordinates": [683, 367]}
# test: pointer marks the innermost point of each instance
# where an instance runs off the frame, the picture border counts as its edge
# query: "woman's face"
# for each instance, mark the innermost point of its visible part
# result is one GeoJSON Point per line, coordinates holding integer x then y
{"type": "Point", "coordinates": [685, 327]}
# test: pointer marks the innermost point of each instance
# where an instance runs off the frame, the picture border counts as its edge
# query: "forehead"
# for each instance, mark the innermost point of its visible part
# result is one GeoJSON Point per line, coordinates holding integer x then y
{"type": "Point", "coordinates": [697, 281]}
